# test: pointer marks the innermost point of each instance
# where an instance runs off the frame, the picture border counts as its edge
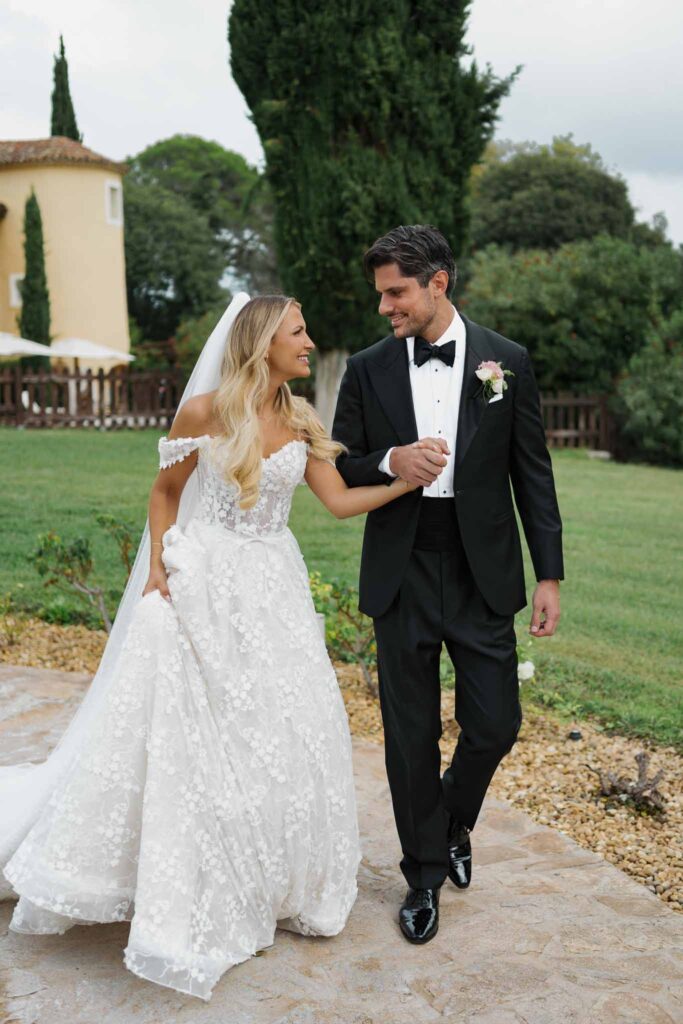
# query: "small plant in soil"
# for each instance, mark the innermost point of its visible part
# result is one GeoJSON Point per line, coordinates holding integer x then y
{"type": "Point", "coordinates": [69, 566]}
{"type": "Point", "coordinates": [10, 626]}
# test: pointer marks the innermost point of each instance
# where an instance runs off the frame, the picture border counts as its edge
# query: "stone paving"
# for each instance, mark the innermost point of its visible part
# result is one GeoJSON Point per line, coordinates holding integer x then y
{"type": "Point", "coordinates": [548, 933]}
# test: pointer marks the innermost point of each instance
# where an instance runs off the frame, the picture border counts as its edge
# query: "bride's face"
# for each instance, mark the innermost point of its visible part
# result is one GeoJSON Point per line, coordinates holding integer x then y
{"type": "Point", "coordinates": [290, 348]}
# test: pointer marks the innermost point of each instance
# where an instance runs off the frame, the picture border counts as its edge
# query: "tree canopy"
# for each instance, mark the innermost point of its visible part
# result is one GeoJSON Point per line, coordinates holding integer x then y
{"type": "Point", "coordinates": [63, 120]}
{"type": "Point", "coordinates": [370, 116]}
{"type": "Point", "coordinates": [529, 196]}
{"type": "Point", "coordinates": [174, 265]}
{"type": "Point", "coordinates": [226, 191]}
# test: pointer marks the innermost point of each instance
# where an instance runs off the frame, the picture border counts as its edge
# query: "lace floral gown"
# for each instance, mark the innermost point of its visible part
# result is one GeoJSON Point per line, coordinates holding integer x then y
{"type": "Point", "coordinates": [214, 798]}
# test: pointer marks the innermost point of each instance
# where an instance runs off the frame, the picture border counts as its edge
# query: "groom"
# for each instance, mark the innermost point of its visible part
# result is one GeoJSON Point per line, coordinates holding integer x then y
{"type": "Point", "coordinates": [444, 563]}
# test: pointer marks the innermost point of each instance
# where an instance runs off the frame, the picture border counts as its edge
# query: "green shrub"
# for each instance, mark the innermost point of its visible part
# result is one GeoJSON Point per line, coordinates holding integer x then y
{"type": "Point", "coordinates": [648, 405]}
{"type": "Point", "coordinates": [349, 634]}
{"type": "Point", "coordinates": [582, 311]}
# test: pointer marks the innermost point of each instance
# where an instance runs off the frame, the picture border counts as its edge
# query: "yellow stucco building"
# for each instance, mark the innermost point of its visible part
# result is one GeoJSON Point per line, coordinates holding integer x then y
{"type": "Point", "coordinates": [80, 196]}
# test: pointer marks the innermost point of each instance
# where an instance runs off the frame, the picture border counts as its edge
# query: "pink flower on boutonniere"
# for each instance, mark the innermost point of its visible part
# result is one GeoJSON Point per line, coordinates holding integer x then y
{"type": "Point", "coordinates": [492, 377]}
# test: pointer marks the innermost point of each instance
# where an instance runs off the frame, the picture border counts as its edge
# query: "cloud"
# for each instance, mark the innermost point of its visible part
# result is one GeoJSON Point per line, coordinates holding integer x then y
{"type": "Point", "coordinates": [138, 72]}
{"type": "Point", "coordinates": [609, 71]}
{"type": "Point", "coordinates": [652, 193]}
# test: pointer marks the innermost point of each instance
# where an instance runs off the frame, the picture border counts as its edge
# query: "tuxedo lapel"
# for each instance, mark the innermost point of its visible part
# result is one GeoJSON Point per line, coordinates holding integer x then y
{"type": "Point", "coordinates": [390, 377]}
{"type": "Point", "coordinates": [472, 408]}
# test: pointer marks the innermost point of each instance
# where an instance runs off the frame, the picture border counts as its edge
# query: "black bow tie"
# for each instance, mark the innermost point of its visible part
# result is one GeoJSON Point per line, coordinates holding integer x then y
{"type": "Point", "coordinates": [424, 351]}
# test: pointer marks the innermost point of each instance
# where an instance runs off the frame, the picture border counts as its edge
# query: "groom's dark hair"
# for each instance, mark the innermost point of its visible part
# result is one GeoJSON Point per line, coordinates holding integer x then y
{"type": "Point", "coordinates": [418, 250]}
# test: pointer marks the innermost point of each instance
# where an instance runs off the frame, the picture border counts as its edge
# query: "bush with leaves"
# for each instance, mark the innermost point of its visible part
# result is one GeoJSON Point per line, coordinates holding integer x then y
{"type": "Point", "coordinates": [69, 566]}
{"type": "Point", "coordinates": [582, 311]}
{"type": "Point", "coordinates": [349, 634]}
{"type": "Point", "coordinates": [648, 405]}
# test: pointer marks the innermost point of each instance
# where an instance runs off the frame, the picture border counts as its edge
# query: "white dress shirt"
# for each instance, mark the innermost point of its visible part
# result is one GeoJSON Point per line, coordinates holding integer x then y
{"type": "Point", "coordinates": [436, 398]}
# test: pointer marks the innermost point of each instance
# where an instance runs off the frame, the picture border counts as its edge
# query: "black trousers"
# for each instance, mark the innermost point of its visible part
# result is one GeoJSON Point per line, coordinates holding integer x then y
{"type": "Point", "coordinates": [438, 602]}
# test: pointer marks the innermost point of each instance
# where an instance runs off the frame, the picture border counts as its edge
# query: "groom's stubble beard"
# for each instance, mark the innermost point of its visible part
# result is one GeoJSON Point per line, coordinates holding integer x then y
{"type": "Point", "coordinates": [418, 322]}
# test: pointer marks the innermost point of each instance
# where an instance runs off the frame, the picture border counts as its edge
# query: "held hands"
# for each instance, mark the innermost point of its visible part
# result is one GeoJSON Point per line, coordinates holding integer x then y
{"type": "Point", "coordinates": [420, 463]}
{"type": "Point", "coordinates": [546, 601]}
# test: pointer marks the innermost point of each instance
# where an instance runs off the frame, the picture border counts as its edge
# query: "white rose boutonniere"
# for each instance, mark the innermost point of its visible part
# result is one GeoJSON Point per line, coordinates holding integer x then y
{"type": "Point", "coordinates": [492, 377]}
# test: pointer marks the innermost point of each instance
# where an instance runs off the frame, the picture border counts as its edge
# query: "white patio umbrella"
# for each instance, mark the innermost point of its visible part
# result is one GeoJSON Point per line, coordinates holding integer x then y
{"type": "Point", "coordinates": [79, 348]}
{"type": "Point", "coordinates": [11, 345]}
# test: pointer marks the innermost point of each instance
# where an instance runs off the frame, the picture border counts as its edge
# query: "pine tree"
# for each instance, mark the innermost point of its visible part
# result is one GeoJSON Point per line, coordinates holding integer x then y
{"type": "Point", "coordinates": [368, 118]}
{"type": "Point", "coordinates": [63, 114]}
{"type": "Point", "coordinates": [34, 319]}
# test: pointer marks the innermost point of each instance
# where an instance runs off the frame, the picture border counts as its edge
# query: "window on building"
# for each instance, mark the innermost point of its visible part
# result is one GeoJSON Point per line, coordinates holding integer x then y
{"type": "Point", "coordinates": [15, 290]}
{"type": "Point", "coordinates": [113, 198]}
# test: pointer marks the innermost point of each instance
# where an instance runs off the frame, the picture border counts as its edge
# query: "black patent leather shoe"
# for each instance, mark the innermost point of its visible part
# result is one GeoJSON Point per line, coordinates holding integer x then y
{"type": "Point", "coordinates": [459, 855]}
{"type": "Point", "coordinates": [419, 915]}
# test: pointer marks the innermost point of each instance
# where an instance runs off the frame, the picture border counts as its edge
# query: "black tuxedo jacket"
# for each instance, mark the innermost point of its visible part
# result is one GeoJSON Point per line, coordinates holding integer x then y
{"type": "Point", "coordinates": [496, 445]}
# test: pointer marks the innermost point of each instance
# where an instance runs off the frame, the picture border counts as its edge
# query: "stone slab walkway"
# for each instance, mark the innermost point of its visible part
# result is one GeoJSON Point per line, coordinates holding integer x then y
{"type": "Point", "coordinates": [548, 933]}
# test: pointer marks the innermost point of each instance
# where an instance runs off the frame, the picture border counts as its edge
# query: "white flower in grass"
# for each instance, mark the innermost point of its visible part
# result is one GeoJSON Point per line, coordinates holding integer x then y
{"type": "Point", "coordinates": [525, 671]}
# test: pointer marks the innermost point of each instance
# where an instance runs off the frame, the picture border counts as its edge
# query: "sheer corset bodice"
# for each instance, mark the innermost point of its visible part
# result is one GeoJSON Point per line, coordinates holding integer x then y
{"type": "Point", "coordinates": [218, 500]}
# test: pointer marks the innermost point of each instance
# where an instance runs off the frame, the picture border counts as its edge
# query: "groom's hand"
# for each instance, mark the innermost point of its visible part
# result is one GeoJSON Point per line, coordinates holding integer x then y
{"type": "Point", "coordinates": [421, 462]}
{"type": "Point", "coordinates": [546, 601]}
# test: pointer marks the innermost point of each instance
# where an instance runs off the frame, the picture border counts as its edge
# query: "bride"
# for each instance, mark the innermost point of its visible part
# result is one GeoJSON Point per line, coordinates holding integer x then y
{"type": "Point", "coordinates": [204, 789]}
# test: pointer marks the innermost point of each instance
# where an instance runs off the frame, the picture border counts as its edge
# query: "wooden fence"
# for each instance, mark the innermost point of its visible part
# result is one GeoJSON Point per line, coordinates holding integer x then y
{"type": "Point", "coordinates": [106, 399]}
{"type": "Point", "coordinates": [124, 398]}
{"type": "Point", "coordinates": [578, 421]}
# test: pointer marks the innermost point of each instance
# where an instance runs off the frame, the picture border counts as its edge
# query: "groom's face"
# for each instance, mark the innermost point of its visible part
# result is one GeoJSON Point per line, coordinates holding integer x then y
{"type": "Point", "coordinates": [408, 306]}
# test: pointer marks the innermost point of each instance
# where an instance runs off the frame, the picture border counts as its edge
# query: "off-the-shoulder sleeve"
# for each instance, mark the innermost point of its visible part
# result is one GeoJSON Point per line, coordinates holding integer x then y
{"type": "Point", "coordinates": [177, 449]}
{"type": "Point", "coordinates": [302, 481]}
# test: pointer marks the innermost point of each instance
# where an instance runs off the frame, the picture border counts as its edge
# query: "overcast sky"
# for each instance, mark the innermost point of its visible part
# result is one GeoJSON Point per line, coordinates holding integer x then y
{"type": "Point", "coordinates": [610, 71]}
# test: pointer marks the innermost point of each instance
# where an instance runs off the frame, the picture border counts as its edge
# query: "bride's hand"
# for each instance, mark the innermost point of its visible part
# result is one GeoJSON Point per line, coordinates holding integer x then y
{"type": "Point", "coordinates": [157, 580]}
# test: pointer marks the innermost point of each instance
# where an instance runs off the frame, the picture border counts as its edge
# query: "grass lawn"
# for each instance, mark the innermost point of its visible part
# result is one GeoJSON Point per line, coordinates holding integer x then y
{"type": "Point", "coordinates": [618, 655]}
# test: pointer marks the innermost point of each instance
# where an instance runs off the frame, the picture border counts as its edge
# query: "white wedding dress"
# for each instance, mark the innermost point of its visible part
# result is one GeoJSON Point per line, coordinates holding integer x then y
{"type": "Point", "coordinates": [212, 799]}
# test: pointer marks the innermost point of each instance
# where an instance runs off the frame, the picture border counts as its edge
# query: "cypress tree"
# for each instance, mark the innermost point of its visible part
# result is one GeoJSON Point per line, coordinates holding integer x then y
{"type": "Point", "coordinates": [34, 319]}
{"type": "Point", "coordinates": [368, 118]}
{"type": "Point", "coordinates": [63, 114]}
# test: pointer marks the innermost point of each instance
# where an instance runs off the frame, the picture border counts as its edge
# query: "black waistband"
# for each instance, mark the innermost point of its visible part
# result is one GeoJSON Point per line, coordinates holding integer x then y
{"type": "Point", "coordinates": [437, 525]}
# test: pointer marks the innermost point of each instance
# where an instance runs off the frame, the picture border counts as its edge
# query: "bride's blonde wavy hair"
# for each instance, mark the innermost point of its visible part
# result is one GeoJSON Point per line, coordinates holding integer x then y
{"type": "Point", "coordinates": [243, 390]}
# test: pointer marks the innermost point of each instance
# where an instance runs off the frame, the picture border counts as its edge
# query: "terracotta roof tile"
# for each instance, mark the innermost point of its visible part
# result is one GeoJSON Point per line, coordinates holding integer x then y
{"type": "Point", "coordinates": [56, 150]}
